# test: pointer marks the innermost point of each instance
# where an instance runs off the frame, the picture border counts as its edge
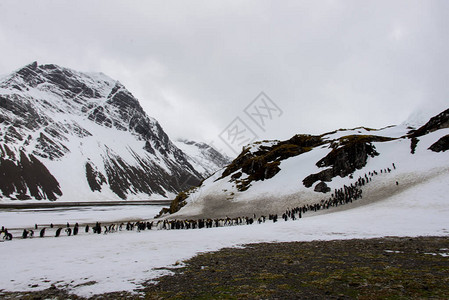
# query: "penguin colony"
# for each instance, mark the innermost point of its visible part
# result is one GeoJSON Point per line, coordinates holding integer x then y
{"type": "Point", "coordinates": [342, 196]}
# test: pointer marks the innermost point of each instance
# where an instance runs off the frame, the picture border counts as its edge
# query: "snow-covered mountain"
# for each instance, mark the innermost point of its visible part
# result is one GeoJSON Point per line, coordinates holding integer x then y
{"type": "Point", "coordinates": [272, 176]}
{"type": "Point", "coordinates": [205, 157]}
{"type": "Point", "coordinates": [72, 136]}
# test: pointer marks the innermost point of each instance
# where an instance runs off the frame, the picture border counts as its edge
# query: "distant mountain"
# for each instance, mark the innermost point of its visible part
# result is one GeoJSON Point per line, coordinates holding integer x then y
{"type": "Point", "coordinates": [271, 176]}
{"type": "Point", "coordinates": [206, 159]}
{"type": "Point", "coordinates": [72, 136]}
{"type": "Point", "coordinates": [422, 114]}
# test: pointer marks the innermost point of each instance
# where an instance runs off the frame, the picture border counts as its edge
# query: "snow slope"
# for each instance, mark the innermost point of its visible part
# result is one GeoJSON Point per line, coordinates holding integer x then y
{"type": "Point", "coordinates": [222, 194]}
{"type": "Point", "coordinates": [121, 261]}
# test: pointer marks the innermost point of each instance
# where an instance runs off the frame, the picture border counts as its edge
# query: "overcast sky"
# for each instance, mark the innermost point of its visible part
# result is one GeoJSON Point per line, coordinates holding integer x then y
{"type": "Point", "coordinates": [195, 66]}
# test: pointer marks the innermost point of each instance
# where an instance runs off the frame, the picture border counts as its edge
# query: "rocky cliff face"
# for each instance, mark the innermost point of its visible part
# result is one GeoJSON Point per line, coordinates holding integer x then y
{"type": "Point", "coordinates": [441, 145]}
{"type": "Point", "coordinates": [75, 137]}
{"type": "Point", "coordinates": [348, 154]}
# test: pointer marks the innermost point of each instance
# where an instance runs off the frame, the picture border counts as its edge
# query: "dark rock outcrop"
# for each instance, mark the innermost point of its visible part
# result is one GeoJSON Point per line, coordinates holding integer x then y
{"type": "Point", "coordinates": [325, 175]}
{"type": "Point", "coordinates": [345, 159]}
{"type": "Point", "coordinates": [350, 153]}
{"type": "Point", "coordinates": [413, 143]}
{"type": "Point", "coordinates": [322, 187]}
{"type": "Point", "coordinates": [26, 178]}
{"type": "Point", "coordinates": [95, 178]}
{"type": "Point", "coordinates": [441, 145]}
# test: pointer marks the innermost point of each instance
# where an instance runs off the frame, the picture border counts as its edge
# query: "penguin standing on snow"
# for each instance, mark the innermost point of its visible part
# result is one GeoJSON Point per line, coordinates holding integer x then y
{"type": "Point", "coordinates": [42, 232]}
{"type": "Point", "coordinates": [8, 236]}
{"type": "Point", "coordinates": [58, 232]}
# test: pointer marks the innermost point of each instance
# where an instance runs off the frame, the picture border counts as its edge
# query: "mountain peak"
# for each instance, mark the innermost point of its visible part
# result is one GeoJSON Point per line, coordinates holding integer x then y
{"type": "Point", "coordinates": [32, 66]}
{"type": "Point", "coordinates": [88, 135]}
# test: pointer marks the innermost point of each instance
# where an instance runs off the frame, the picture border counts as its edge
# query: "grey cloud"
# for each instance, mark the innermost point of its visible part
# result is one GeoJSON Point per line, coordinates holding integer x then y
{"type": "Point", "coordinates": [195, 66]}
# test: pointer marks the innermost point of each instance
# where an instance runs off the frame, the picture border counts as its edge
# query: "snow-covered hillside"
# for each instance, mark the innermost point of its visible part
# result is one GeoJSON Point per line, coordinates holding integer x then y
{"type": "Point", "coordinates": [72, 136]}
{"type": "Point", "coordinates": [205, 157]}
{"type": "Point", "coordinates": [271, 176]}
